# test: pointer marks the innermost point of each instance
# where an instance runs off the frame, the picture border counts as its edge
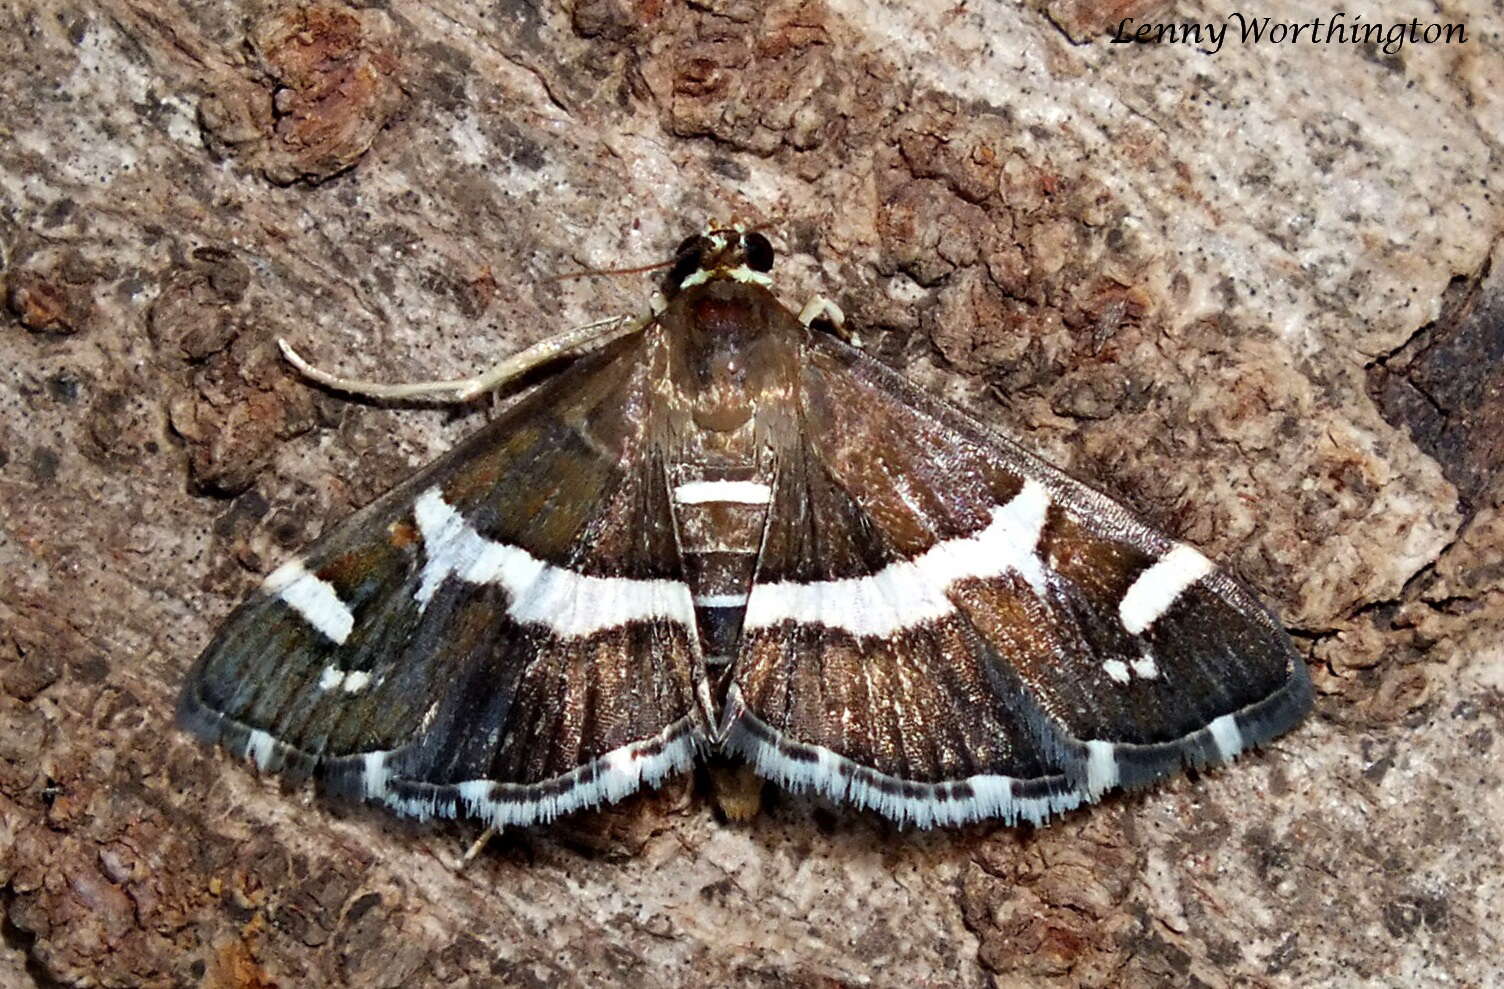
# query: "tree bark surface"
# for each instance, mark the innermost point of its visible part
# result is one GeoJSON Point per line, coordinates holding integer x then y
{"type": "Point", "coordinates": [1251, 292]}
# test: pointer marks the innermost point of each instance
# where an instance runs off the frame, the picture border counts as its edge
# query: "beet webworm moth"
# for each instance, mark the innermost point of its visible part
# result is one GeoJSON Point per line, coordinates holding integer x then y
{"type": "Point", "coordinates": [724, 531]}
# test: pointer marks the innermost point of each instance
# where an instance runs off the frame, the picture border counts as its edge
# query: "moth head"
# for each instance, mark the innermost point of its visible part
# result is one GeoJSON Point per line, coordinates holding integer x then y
{"type": "Point", "coordinates": [720, 252]}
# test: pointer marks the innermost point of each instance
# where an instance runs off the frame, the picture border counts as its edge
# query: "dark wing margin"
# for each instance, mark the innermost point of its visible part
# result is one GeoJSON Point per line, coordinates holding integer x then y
{"type": "Point", "coordinates": [505, 636]}
{"type": "Point", "coordinates": [945, 629]}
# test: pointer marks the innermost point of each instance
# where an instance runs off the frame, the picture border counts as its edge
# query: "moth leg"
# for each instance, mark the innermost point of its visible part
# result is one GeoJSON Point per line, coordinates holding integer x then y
{"type": "Point", "coordinates": [821, 308]}
{"type": "Point", "coordinates": [475, 849]}
{"type": "Point", "coordinates": [584, 338]}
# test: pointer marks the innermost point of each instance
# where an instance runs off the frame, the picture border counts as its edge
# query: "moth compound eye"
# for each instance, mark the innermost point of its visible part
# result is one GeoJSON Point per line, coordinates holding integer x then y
{"type": "Point", "coordinates": [687, 243]}
{"type": "Point", "coordinates": [759, 252]}
{"type": "Point", "coordinates": [686, 262]}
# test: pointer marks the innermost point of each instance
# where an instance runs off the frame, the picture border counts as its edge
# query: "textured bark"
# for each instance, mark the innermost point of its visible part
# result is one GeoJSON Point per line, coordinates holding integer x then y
{"type": "Point", "coordinates": [1250, 293]}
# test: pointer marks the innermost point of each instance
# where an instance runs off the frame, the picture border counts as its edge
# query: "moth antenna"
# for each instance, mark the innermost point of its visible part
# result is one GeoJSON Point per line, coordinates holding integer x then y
{"type": "Point", "coordinates": [455, 391]}
{"type": "Point", "coordinates": [594, 272]}
{"type": "Point", "coordinates": [760, 228]}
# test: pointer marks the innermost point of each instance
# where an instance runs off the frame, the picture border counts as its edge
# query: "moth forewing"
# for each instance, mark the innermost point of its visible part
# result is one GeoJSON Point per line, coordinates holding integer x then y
{"type": "Point", "coordinates": [505, 659]}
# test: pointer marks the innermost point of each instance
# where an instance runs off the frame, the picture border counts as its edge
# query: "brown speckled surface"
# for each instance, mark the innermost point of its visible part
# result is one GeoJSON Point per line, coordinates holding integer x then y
{"type": "Point", "coordinates": [1212, 284]}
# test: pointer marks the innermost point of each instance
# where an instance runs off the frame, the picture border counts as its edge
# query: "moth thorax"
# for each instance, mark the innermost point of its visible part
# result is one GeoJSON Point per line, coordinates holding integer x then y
{"type": "Point", "coordinates": [728, 359]}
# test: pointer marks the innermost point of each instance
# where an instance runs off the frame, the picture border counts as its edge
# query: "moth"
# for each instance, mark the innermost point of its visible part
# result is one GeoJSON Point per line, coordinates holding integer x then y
{"type": "Point", "coordinates": [727, 532]}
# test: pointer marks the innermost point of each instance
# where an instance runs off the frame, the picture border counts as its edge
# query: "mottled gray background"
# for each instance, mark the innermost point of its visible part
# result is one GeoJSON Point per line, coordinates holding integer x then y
{"type": "Point", "coordinates": [1250, 293]}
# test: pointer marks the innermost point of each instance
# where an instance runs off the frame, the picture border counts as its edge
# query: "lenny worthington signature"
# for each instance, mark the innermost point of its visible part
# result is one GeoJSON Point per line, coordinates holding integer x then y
{"type": "Point", "coordinates": [1335, 30]}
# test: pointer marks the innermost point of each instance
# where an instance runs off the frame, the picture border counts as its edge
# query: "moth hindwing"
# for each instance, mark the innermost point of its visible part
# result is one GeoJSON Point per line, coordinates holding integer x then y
{"type": "Point", "coordinates": [725, 532]}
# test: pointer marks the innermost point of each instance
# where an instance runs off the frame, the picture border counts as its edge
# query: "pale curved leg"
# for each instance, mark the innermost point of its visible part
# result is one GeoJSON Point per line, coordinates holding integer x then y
{"type": "Point", "coordinates": [588, 337]}
{"type": "Point", "coordinates": [820, 307]}
{"type": "Point", "coordinates": [475, 849]}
